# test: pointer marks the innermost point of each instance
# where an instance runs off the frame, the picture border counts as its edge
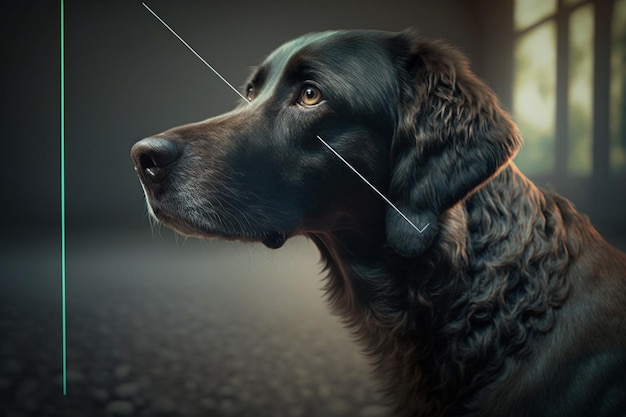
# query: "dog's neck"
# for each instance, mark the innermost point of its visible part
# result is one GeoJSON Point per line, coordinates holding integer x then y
{"type": "Point", "coordinates": [466, 276]}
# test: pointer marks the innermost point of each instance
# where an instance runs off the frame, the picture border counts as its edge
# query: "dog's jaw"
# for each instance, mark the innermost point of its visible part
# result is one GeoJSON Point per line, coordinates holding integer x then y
{"type": "Point", "coordinates": [273, 239]}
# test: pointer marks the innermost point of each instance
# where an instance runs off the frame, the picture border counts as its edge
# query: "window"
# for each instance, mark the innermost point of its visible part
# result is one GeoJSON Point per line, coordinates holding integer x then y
{"type": "Point", "coordinates": [534, 97]}
{"type": "Point", "coordinates": [580, 91]}
{"type": "Point", "coordinates": [618, 88]}
{"type": "Point", "coordinates": [553, 87]}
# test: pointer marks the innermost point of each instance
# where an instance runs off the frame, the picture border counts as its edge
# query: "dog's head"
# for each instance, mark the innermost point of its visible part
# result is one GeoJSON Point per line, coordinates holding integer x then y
{"type": "Point", "coordinates": [406, 113]}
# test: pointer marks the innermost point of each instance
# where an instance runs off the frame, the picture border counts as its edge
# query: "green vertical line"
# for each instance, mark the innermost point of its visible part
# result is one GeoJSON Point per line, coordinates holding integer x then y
{"type": "Point", "coordinates": [64, 336]}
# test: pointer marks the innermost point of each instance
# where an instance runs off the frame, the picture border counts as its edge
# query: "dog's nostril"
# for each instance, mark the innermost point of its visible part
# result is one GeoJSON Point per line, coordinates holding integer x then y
{"type": "Point", "coordinates": [150, 167]}
{"type": "Point", "coordinates": [153, 157]}
{"type": "Point", "coordinates": [146, 161]}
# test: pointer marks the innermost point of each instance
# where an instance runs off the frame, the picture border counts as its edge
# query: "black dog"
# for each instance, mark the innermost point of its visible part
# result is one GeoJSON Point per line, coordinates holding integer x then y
{"type": "Point", "coordinates": [508, 304]}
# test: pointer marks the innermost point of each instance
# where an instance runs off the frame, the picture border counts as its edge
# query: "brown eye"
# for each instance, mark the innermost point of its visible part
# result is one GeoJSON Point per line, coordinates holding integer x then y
{"type": "Point", "coordinates": [310, 96]}
{"type": "Point", "coordinates": [250, 93]}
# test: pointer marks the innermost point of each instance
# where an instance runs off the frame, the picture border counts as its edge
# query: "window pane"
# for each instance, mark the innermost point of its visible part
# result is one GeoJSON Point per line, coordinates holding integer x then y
{"type": "Point", "coordinates": [618, 89]}
{"type": "Point", "coordinates": [580, 93]}
{"type": "Point", "coordinates": [534, 96]}
{"type": "Point", "coordinates": [572, 2]}
{"type": "Point", "coordinates": [528, 12]}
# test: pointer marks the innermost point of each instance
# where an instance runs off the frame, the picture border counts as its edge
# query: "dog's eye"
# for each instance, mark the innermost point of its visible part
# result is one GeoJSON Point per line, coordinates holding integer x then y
{"type": "Point", "coordinates": [250, 93]}
{"type": "Point", "coordinates": [310, 96]}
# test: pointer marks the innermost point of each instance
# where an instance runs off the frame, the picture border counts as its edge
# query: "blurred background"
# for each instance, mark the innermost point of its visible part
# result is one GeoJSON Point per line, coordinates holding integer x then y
{"type": "Point", "coordinates": [160, 325]}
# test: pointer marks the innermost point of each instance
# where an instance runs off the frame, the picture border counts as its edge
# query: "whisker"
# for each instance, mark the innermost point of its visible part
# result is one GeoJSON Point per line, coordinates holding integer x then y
{"type": "Point", "coordinates": [195, 53]}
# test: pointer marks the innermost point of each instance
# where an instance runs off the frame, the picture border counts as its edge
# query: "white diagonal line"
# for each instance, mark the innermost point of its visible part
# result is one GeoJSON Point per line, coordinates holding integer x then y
{"type": "Point", "coordinates": [372, 187]}
{"type": "Point", "coordinates": [420, 231]}
{"type": "Point", "coordinates": [195, 53]}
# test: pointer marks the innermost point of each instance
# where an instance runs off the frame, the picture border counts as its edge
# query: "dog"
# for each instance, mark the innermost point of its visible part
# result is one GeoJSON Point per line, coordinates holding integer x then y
{"type": "Point", "coordinates": [502, 301]}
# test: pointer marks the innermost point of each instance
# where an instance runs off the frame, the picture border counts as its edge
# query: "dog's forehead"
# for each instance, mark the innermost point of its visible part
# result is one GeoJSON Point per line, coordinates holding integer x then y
{"type": "Point", "coordinates": [330, 54]}
{"type": "Point", "coordinates": [282, 54]}
{"type": "Point", "coordinates": [340, 63]}
{"type": "Point", "coordinates": [340, 42]}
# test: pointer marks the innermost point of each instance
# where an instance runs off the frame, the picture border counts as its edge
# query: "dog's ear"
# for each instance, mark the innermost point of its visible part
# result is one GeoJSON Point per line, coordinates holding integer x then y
{"type": "Point", "coordinates": [451, 137]}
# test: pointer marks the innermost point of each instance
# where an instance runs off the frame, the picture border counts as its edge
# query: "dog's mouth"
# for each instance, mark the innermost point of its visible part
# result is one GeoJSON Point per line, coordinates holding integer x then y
{"type": "Point", "coordinates": [206, 223]}
{"type": "Point", "coordinates": [273, 239]}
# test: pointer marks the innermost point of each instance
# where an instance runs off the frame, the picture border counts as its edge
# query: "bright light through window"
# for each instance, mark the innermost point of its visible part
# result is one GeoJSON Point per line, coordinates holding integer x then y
{"type": "Point", "coordinates": [618, 89]}
{"type": "Point", "coordinates": [528, 12]}
{"type": "Point", "coordinates": [580, 94]}
{"type": "Point", "coordinates": [534, 97]}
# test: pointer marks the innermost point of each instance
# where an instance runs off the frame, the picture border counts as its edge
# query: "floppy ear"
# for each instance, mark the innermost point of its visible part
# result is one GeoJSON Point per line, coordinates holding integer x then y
{"type": "Point", "coordinates": [451, 137]}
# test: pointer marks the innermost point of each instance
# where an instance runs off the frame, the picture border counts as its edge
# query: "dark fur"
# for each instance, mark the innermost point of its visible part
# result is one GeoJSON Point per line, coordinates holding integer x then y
{"type": "Point", "coordinates": [509, 303]}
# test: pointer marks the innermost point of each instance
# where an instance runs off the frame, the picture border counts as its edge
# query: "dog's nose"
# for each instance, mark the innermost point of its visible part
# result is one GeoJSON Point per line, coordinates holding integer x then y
{"type": "Point", "coordinates": [153, 158]}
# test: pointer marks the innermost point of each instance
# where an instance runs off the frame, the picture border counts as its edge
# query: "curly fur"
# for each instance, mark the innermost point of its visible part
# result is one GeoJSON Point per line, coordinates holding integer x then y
{"type": "Point", "coordinates": [470, 306]}
{"type": "Point", "coordinates": [447, 325]}
{"type": "Point", "coordinates": [509, 303]}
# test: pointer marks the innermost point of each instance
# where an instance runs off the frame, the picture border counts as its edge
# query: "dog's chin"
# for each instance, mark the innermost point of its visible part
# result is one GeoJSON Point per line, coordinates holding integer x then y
{"type": "Point", "coordinates": [275, 240]}
{"type": "Point", "coordinates": [271, 239]}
